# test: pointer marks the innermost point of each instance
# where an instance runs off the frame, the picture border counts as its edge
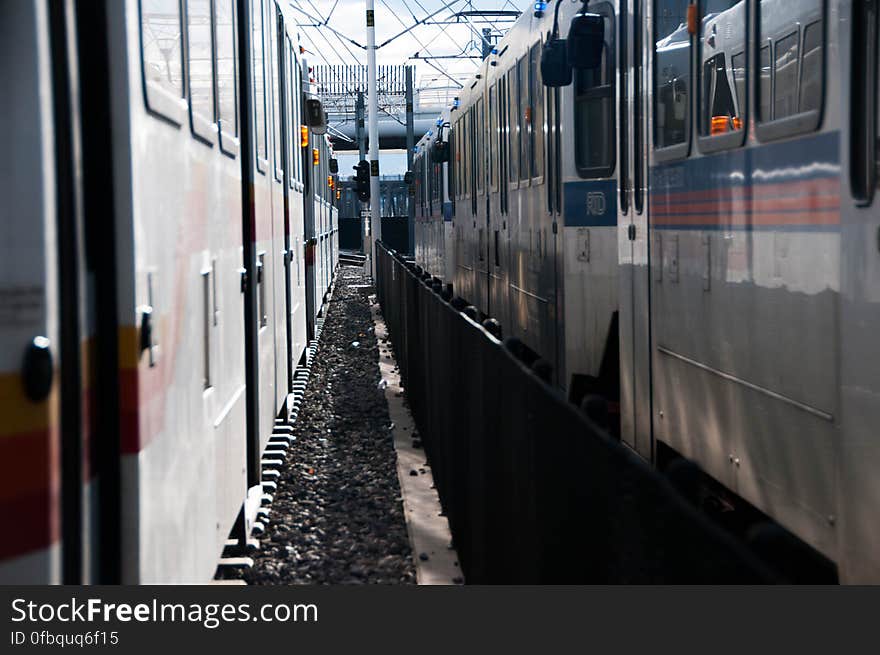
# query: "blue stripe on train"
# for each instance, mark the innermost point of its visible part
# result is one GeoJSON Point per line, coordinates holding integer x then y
{"type": "Point", "coordinates": [590, 203]}
{"type": "Point", "coordinates": [795, 160]}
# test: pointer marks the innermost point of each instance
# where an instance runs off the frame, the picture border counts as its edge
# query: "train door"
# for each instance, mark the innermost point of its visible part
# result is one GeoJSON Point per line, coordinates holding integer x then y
{"type": "Point", "coordinates": [633, 236]}
{"type": "Point", "coordinates": [499, 252]}
{"type": "Point", "coordinates": [30, 324]}
{"type": "Point", "coordinates": [860, 302]}
{"type": "Point", "coordinates": [80, 505]}
{"type": "Point", "coordinates": [553, 178]}
{"type": "Point", "coordinates": [482, 264]}
{"type": "Point", "coordinates": [280, 207]}
{"type": "Point", "coordinates": [281, 55]}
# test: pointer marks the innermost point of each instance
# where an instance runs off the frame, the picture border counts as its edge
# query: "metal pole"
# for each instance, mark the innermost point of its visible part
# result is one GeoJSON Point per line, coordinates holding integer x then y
{"type": "Point", "coordinates": [373, 129]}
{"type": "Point", "coordinates": [362, 155]}
{"type": "Point", "coordinates": [410, 145]}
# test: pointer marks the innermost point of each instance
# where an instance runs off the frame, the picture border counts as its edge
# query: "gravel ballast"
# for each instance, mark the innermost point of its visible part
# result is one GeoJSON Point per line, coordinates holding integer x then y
{"type": "Point", "coordinates": [337, 515]}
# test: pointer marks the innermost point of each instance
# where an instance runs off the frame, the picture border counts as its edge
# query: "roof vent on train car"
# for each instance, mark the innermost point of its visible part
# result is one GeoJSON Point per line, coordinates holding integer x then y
{"type": "Point", "coordinates": [555, 69]}
{"type": "Point", "coordinates": [316, 117]}
{"type": "Point", "coordinates": [586, 40]}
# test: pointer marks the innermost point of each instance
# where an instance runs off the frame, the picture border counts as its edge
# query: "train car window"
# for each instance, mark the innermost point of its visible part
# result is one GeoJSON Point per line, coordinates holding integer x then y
{"type": "Point", "coordinates": [200, 71]}
{"type": "Point", "coordinates": [296, 115]}
{"type": "Point", "coordinates": [811, 68]}
{"type": "Point", "coordinates": [502, 142]}
{"type": "Point", "coordinates": [227, 74]}
{"type": "Point", "coordinates": [594, 108]}
{"type": "Point", "coordinates": [463, 161]}
{"type": "Point", "coordinates": [480, 152]}
{"type": "Point", "coordinates": [438, 184]}
{"type": "Point", "coordinates": [456, 129]}
{"type": "Point", "coordinates": [493, 138]}
{"type": "Point", "coordinates": [525, 117]}
{"type": "Point", "coordinates": [765, 90]}
{"type": "Point", "coordinates": [796, 33]}
{"type": "Point", "coordinates": [623, 108]}
{"type": "Point", "coordinates": [672, 56]}
{"type": "Point", "coordinates": [275, 59]}
{"type": "Point", "coordinates": [429, 160]}
{"type": "Point", "coordinates": [738, 69]}
{"type": "Point", "coordinates": [723, 34]}
{"type": "Point", "coordinates": [513, 127]}
{"type": "Point", "coordinates": [259, 69]}
{"type": "Point", "coordinates": [863, 109]}
{"type": "Point", "coordinates": [469, 152]}
{"type": "Point", "coordinates": [785, 67]}
{"type": "Point", "coordinates": [292, 145]}
{"type": "Point", "coordinates": [536, 104]}
{"type": "Point", "coordinates": [423, 173]}
{"type": "Point", "coordinates": [450, 169]}
{"type": "Point", "coordinates": [162, 52]}
{"type": "Point", "coordinates": [638, 102]}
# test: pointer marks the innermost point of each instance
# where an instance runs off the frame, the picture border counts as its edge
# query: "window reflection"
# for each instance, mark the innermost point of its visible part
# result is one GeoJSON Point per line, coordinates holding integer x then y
{"type": "Point", "coordinates": [161, 39]}
{"type": "Point", "coordinates": [201, 63]}
{"type": "Point", "coordinates": [672, 73]}
{"type": "Point", "coordinates": [791, 80]}
{"type": "Point", "coordinates": [227, 78]}
{"type": "Point", "coordinates": [722, 73]}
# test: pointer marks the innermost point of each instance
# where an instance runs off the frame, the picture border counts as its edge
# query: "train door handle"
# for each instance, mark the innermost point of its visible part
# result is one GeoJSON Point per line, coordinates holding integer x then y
{"type": "Point", "coordinates": [37, 370]}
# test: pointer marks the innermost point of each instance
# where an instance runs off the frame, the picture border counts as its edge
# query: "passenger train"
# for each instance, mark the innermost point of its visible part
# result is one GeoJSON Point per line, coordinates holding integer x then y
{"type": "Point", "coordinates": [169, 233]}
{"type": "Point", "coordinates": [690, 229]}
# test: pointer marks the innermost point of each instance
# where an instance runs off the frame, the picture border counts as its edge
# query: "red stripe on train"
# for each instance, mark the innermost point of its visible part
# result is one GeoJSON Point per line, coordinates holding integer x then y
{"type": "Point", "coordinates": [30, 492]}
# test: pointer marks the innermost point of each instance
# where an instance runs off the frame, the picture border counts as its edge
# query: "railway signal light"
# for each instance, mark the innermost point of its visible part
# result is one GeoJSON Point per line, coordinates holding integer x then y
{"type": "Point", "coordinates": [303, 136]}
{"type": "Point", "coordinates": [362, 180]}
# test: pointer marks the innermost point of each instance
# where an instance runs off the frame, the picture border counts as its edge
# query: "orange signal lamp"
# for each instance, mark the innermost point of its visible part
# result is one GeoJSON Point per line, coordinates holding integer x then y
{"type": "Point", "coordinates": [330, 182]}
{"type": "Point", "coordinates": [303, 136]}
{"type": "Point", "coordinates": [338, 193]}
{"type": "Point", "coordinates": [316, 156]}
{"type": "Point", "coordinates": [737, 123]}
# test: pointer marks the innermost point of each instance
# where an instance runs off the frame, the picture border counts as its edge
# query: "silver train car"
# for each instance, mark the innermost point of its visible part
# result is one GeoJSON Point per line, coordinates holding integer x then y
{"type": "Point", "coordinates": [696, 214]}
{"type": "Point", "coordinates": [433, 199]}
{"type": "Point", "coordinates": [165, 208]}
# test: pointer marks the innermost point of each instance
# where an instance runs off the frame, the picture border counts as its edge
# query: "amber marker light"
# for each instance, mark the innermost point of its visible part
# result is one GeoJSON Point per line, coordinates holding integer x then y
{"type": "Point", "coordinates": [719, 125]}
{"type": "Point", "coordinates": [316, 156]}
{"type": "Point", "coordinates": [303, 136]}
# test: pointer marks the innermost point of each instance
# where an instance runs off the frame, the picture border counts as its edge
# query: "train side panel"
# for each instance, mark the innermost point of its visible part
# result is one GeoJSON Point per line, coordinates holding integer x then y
{"type": "Point", "coordinates": [746, 259]}
{"type": "Point", "coordinates": [30, 465]}
{"type": "Point", "coordinates": [179, 255]}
